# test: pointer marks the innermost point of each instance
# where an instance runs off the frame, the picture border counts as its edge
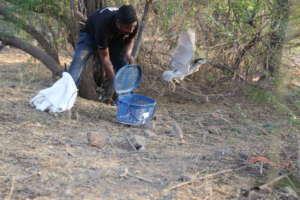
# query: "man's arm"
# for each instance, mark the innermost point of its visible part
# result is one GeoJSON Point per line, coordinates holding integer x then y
{"type": "Point", "coordinates": [128, 51]}
{"type": "Point", "coordinates": [108, 67]}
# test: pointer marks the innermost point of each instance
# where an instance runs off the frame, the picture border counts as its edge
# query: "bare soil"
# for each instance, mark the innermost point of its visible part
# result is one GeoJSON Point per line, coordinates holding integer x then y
{"type": "Point", "coordinates": [45, 157]}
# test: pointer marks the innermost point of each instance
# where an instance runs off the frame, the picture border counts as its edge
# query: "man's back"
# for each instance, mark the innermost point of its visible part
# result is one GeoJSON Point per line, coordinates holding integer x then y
{"type": "Point", "coordinates": [102, 18]}
{"type": "Point", "coordinates": [100, 25]}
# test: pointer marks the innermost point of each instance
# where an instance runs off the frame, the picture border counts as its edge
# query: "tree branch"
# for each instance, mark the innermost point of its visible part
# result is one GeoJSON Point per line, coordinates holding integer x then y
{"type": "Point", "coordinates": [243, 52]}
{"type": "Point", "coordinates": [138, 41]}
{"type": "Point", "coordinates": [232, 71]}
{"type": "Point", "coordinates": [48, 61]}
{"type": "Point", "coordinates": [30, 30]}
{"type": "Point", "coordinates": [56, 15]}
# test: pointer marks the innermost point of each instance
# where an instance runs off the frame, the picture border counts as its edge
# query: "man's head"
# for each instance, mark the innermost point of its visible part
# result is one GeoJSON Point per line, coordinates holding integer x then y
{"type": "Point", "coordinates": [126, 19]}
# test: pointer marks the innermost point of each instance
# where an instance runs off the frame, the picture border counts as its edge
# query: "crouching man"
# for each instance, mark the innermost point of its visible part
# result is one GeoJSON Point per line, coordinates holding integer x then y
{"type": "Point", "coordinates": [108, 33]}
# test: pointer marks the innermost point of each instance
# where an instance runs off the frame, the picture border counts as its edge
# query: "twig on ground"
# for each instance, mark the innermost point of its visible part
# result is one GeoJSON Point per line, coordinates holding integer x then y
{"type": "Point", "coordinates": [12, 188]}
{"type": "Point", "coordinates": [126, 173]}
{"type": "Point", "coordinates": [194, 93]}
{"type": "Point", "coordinates": [217, 115]}
{"type": "Point", "coordinates": [263, 130]}
{"type": "Point", "coordinates": [135, 150]}
{"type": "Point", "coordinates": [201, 178]}
{"type": "Point", "coordinates": [179, 131]}
{"type": "Point", "coordinates": [140, 178]}
{"type": "Point", "coordinates": [110, 140]}
{"type": "Point", "coordinates": [261, 168]}
{"type": "Point", "coordinates": [111, 143]}
{"type": "Point", "coordinates": [266, 185]}
{"type": "Point", "coordinates": [130, 143]}
{"type": "Point", "coordinates": [221, 192]}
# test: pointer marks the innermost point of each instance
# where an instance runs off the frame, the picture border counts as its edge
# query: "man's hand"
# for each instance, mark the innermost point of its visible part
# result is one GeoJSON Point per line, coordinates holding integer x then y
{"type": "Point", "coordinates": [108, 93]}
{"type": "Point", "coordinates": [129, 59]}
{"type": "Point", "coordinates": [128, 52]}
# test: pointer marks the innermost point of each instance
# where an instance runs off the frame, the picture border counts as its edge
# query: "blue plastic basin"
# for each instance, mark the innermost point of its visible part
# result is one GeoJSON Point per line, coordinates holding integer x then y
{"type": "Point", "coordinates": [135, 109]}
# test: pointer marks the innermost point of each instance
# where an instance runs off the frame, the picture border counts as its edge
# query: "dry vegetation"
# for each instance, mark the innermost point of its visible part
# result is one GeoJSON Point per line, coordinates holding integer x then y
{"type": "Point", "coordinates": [86, 154]}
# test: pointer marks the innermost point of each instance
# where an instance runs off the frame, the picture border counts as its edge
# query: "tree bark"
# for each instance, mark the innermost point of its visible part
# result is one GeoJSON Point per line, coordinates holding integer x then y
{"type": "Point", "coordinates": [90, 6]}
{"type": "Point", "coordinates": [243, 51]}
{"type": "Point", "coordinates": [278, 36]}
{"type": "Point", "coordinates": [138, 41]}
{"type": "Point", "coordinates": [39, 54]}
{"type": "Point", "coordinates": [91, 79]}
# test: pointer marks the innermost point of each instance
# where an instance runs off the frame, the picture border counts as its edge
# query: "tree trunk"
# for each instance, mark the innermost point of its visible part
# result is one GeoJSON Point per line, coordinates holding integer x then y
{"type": "Point", "coordinates": [92, 75]}
{"type": "Point", "coordinates": [278, 36]}
{"type": "Point", "coordinates": [243, 51]}
{"type": "Point", "coordinates": [138, 42]}
{"type": "Point", "coordinates": [93, 5]}
{"type": "Point", "coordinates": [32, 50]}
{"type": "Point", "coordinates": [91, 79]}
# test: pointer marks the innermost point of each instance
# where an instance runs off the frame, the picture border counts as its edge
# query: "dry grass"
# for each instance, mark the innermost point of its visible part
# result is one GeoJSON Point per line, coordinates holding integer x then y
{"type": "Point", "coordinates": [43, 157]}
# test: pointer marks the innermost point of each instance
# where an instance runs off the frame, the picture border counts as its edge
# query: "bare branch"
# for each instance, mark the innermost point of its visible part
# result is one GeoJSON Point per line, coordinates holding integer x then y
{"type": "Point", "coordinates": [48, 61]}
{"type": "Point", "coordinates": [141, 29]}
{"type": "Point", "coordinates": [30, 30]}
{"type": "Point", "coordinates": [243, 51]}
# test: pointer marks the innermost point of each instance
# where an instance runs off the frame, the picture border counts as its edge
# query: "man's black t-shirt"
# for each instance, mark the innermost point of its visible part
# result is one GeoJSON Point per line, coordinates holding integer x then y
{"type": "Point", "coordinates": [102, 28]}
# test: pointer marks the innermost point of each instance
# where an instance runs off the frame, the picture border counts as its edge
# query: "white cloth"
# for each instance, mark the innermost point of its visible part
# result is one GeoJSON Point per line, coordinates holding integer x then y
{"type": "Point", "coordinates": [57, 98]}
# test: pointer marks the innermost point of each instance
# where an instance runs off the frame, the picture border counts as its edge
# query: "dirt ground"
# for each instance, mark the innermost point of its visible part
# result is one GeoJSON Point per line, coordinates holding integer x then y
{"type": "Point", "coordinates": [86, 154]}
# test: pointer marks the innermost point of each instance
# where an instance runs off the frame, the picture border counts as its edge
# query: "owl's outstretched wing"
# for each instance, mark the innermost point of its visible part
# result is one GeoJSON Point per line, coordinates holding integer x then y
{"type": "Point", "coordinates": [184, 52]}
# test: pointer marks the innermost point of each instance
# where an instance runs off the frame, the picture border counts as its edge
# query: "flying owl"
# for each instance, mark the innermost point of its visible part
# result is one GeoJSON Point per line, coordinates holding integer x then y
{"type": "Point", "coordinates": [182, 63]}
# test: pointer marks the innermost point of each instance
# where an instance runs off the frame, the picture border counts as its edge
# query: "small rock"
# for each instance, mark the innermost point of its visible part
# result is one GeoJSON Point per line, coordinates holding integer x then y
{"type": "Point", "coordinates": [170, 133]}
{"type": "Point", "coordinates": [256, 195]}
{"type": "Point", "coordinates": [96, 139]}
{"type": "Point", "coordinates": [177, 129]}
{"type": "Point", "coordinates": [205, 99]}
{"type": "Point", "coordinates": [149, 133]}
{"type": "Point", "coordinates": [138, 142]}
{"type": "Point", "coordinates": [150, 125]}
{"type": "Point", "coordinates": [214, 130]}
{"type": "Point", "coordinates": [184, 178]}
{"type": "Point", "coordinates": [291, 192]}
{"type": "Point", "coordinates": [124, 173]}
{"type": "Point", "coordinates": [222, 153]}
{"type": "Point", "coordinates": [243, 156]}
{"type": "Point", "coordinates": [75, 116]}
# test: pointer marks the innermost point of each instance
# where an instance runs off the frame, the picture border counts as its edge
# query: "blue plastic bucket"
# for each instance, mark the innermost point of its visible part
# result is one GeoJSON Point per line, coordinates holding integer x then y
{"type": "Point", "coordinates": [135, 109]}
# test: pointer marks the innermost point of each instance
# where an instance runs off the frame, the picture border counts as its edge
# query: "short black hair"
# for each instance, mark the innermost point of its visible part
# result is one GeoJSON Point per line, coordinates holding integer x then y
{"type": "Point", "coordinates": [126, 14]}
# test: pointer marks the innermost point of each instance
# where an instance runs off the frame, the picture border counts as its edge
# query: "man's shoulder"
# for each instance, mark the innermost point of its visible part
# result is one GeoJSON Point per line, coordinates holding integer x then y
{"type": "Point", "coordinates": [101, 18]}
{"type": "Point", "coordinates": [103, 13]}
{"type": "Point", "coordinates": [107, 11]}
